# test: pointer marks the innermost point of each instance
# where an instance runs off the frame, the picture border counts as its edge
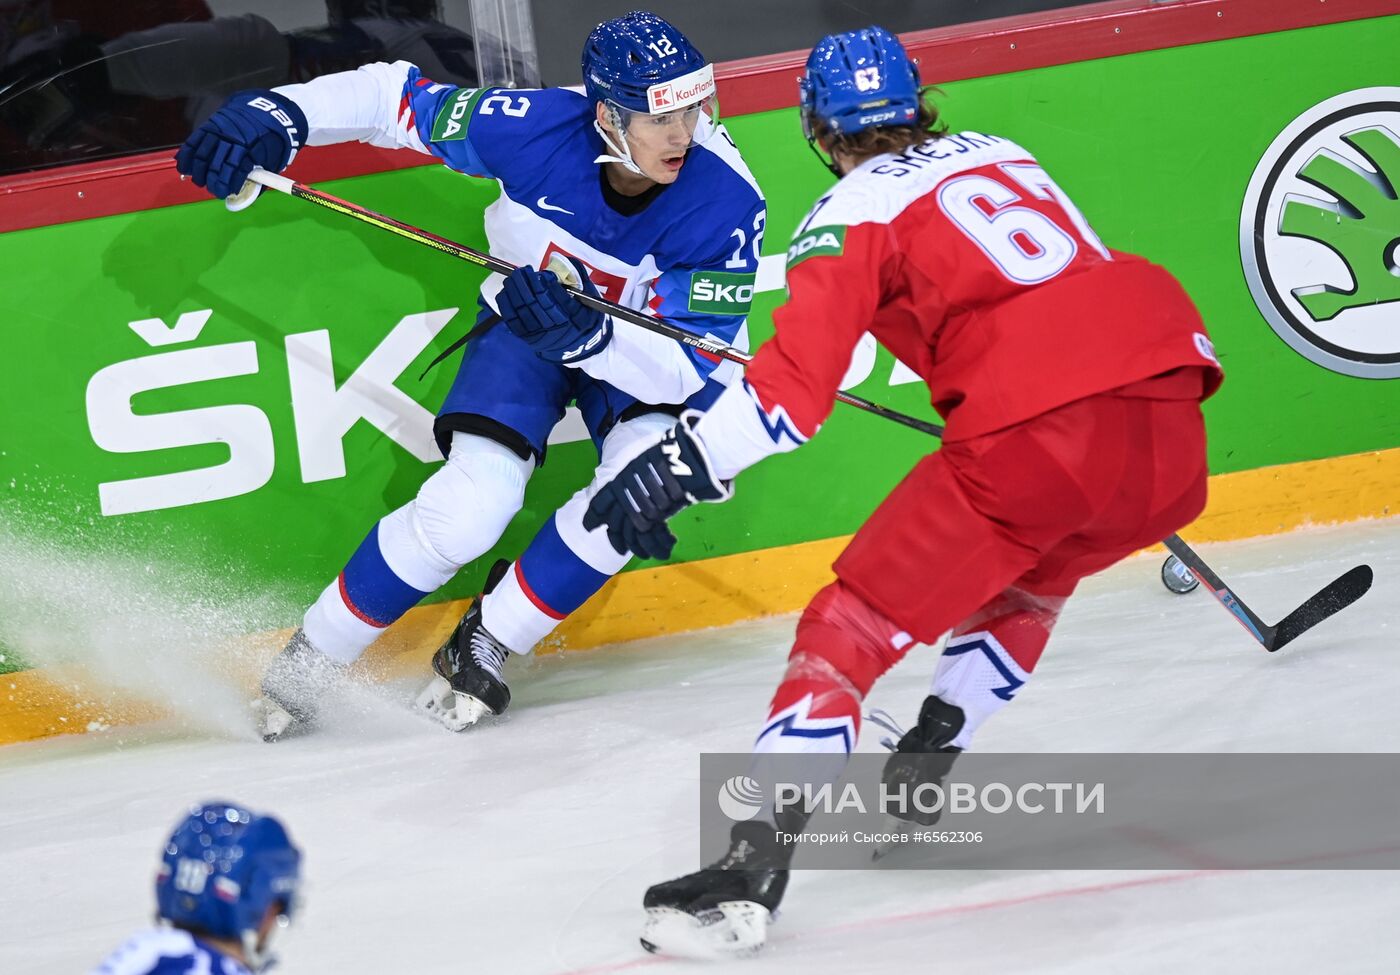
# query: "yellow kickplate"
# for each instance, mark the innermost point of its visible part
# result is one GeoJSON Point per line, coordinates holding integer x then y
{"type": "Point", "coordinates": [716, 592]}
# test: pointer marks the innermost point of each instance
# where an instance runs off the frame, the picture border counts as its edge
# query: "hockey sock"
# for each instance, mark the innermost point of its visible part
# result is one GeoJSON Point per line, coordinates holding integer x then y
{"type": "Point", "coordinates": [459, 513]}
{"type": "Point", "coordinates": [843, 645]}
{"type": "Point", "coordinates": [364, 599]}
{"type": "Point", "coordinates": [991, 655]}
{"type": "Point", "coordinates": [565, 564]}
{"type": "Point", "coordinates": [561, 568]}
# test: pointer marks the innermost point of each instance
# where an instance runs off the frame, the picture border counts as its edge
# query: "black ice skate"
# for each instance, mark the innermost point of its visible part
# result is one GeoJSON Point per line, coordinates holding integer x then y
{"type": "Point", "coordinates": [922, 755]}
{"type": "Point", "coordinates": [722, 911]}
{"type": "Point", "coordinates": [469, 683]}
{"type": "Point", "coordinates": [292, 688]}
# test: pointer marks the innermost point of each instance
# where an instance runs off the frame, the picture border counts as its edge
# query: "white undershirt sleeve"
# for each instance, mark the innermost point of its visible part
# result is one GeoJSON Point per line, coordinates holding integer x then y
{"type": "Point", "coordinates": [357, 106]}
{"type": "Point", "coordinates": [651, 367]}
{"type": "Point", "coordinates": [737, 432]}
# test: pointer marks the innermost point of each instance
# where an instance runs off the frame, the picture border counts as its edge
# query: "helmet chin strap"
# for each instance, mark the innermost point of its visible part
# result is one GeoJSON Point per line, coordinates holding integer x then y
{"type": "Point", "coordinates": [258, 952]}
{"type": "Point", "coordinates": [255, 956]}
{"type": "Point", "coordinates": [620, 154]}
{"type": "Point", "coordinates": [828, 162]}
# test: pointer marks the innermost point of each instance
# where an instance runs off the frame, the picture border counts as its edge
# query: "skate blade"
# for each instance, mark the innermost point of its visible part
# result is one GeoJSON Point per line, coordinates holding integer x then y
{"type": "Point", "coordinates": [882, 850]}
{"type": "Point", "coordinates": [734, 929]}
{"type": "Point", "coordinates": [272, 721]}
{"type": "Point", "coordinates": [455, 712]}
{"type": "Point", "coordinates": [893, 827]}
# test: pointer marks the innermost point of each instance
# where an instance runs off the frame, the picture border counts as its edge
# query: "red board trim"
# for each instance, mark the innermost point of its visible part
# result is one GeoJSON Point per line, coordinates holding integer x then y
{"type": "Point", "coordinates": [149, 180]}
{"type": "Point", "coordinates": [1041, 40]}
{"type": "Point", "coordinates": [988, 47]}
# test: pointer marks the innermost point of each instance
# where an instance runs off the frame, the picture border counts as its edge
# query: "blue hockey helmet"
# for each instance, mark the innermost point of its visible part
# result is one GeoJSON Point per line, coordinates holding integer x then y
{"type": "Point", "coordinates": [221, 870]}
{"type": "Point", "coordinates": [639, 64]}
{"type": "Point", "coordinates": [858, 80]}
{"type": "Point", "coordinates": [634, 60]}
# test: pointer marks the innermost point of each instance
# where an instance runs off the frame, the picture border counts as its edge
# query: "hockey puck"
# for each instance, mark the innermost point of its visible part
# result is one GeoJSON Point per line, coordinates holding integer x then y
{"type": "Point", "coordinates": [1177, 578]}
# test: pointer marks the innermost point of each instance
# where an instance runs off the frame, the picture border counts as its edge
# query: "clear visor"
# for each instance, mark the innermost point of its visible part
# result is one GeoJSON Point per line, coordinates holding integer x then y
{"type": "Point", "coordinates": [804, 106]}
{"type": "Point", "coordinates": [679, 129]}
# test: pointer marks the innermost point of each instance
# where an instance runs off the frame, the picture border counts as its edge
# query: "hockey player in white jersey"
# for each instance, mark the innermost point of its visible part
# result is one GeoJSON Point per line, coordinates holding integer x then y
{"type": "Point", "coordinates": [227, 883]}
{"type": "Point", "coordinates": [634, 190]}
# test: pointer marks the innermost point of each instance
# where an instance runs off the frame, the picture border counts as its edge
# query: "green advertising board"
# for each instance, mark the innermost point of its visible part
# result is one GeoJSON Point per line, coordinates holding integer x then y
{"type": "Point", "coordinates": [233, 400]}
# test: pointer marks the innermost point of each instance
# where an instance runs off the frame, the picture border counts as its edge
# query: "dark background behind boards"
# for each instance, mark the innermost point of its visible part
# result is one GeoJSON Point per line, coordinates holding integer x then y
{"type": "Point", "coordinates": [82, 80]}
{"type": "Point", "coordinates": [727, 29]}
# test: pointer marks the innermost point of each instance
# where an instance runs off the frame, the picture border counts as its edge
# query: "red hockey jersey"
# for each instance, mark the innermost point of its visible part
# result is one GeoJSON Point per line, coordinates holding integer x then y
{"type": "Point", "coordinates": [968, 262]}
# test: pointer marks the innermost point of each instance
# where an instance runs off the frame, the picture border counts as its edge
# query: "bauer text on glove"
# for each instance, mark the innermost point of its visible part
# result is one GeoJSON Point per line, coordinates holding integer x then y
{"type": "Point", "coordinates": [255, 128]}
{"type": "Point", "coordinates": [535, 306]}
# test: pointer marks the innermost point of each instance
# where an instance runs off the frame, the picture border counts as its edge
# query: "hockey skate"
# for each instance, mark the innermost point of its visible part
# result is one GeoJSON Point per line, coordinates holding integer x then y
{"type": "Point", "coordinates": [922, 755]}
{"type": "Point", "coordinates": [469, 684]}
{"type": "Point", "coordinates": [724, 910]}
{"type": "Point", "coordinates": [292, 688]}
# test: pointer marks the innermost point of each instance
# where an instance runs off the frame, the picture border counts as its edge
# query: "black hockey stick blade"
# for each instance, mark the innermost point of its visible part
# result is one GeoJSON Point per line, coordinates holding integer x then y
{"type": "Point", "coordinates": [1333, 598]}
{"type": "Point", "coordinates": [1336, 596]}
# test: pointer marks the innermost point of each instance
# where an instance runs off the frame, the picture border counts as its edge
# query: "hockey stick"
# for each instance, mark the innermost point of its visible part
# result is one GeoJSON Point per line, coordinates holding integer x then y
{"type": "Point", "coordinates": [1333, 598]}
{"type": "Point", "coordinates": [260, 177]}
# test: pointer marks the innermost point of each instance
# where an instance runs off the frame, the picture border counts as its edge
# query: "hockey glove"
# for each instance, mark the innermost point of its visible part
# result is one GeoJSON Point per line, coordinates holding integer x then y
{"type": "Point", "coordinates": [535, 306]}
{"type": "Point", "coordinates": [253, 128]}
{"type": "Point", "coordinates": [662, 480]}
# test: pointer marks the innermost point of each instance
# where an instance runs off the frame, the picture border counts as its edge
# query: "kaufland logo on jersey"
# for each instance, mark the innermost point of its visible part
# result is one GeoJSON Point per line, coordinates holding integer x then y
{"type": "Point", "coordinates": [1320, 234]}
{"type": "Point", "coordinates": [680, 92]}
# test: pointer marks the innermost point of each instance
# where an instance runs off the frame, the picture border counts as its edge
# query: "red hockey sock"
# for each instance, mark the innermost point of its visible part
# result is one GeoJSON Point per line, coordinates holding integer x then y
{"type": "Point", "coordinates": [843, 645]}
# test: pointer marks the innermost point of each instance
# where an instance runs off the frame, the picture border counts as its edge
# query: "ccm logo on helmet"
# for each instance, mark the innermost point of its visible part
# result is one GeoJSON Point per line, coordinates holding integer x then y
{"type": "Point", "coordinates": [877, 117]}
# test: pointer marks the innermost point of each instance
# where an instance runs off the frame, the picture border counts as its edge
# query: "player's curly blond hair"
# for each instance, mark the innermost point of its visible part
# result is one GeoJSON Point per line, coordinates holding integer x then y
{"type": "Point", "coordinates": [880, 139]}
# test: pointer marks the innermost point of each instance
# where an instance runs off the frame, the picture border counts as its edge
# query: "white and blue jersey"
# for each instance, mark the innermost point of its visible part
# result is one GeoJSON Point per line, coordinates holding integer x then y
{"type": "Point", "coordinates": [168, 951]}
{"type": "Point", "coordinates": [686, 252]}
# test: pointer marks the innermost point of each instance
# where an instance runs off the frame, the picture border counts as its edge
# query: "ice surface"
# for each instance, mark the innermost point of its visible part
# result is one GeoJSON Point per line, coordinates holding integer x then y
{"type": "Point", "coordinates": [524, 846]}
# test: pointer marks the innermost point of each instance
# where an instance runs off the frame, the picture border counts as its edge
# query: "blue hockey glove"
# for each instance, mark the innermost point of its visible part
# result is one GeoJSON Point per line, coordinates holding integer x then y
{"type": "Point", "coordinates": [535, 306]}
{"type": "Point", "coordinates": [662, 480]}
{"type": "Point", "coordinates": [253, 128]}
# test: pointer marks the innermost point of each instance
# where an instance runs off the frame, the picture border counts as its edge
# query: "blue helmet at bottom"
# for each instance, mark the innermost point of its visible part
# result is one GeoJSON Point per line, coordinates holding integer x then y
{"type": "Point", "coordinates": [858, 80]}
{"type": "Point", "coordinates": [222, 869]}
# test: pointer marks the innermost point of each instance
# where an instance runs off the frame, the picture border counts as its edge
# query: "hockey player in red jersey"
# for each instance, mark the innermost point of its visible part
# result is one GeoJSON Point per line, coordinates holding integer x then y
{"type": "Point", "coordinates": [1070, 377]}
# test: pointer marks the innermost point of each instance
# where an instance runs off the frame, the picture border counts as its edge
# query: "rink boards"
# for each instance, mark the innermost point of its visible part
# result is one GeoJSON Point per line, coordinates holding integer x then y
{"type": "Point", "coordinates": [178, 394]}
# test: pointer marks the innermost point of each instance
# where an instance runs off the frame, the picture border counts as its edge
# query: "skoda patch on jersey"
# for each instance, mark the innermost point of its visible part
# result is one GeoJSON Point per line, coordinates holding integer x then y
{"type": "Point", "coordinates": [817, 242]}
{"type": "Point", "coordinates": [452, 118]}
{"type": "Point", "coordinates": [721, 292]}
